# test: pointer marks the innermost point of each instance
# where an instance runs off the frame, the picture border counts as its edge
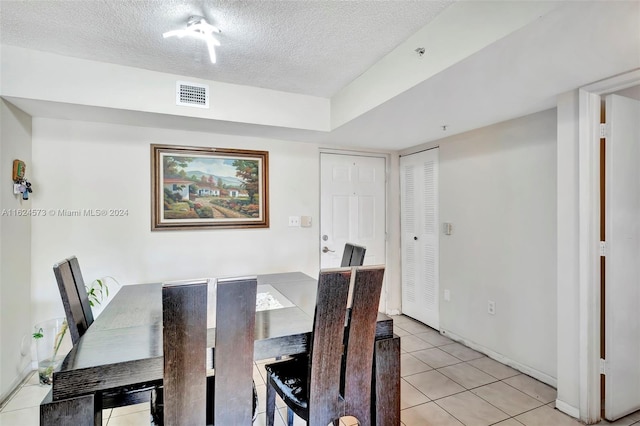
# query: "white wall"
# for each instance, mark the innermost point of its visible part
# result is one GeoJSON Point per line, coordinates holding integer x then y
{"type": "Point", "coordinates": [82, 165]}
{"type": "Point", "coordinates": [462, 29]}
{"type": "Point", "coordinates": [393, 272]}
{"type": "Point", "coordinates": [568, 399]}
{"type": "Point", "coordinates": [15, 251]}
{"type": "Point", "coordinates": [498, 188]}
{"type": "Point", "coordinates": [33, 74]}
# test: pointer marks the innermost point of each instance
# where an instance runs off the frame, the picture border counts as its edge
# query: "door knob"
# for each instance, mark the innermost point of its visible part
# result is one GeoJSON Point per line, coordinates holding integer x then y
{"type": "Point", "coordinates": [325, 249]}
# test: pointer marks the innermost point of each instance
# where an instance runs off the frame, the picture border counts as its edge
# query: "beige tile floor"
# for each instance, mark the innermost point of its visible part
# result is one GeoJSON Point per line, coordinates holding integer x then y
{"type": "Point", "coordinates": [443, 383]}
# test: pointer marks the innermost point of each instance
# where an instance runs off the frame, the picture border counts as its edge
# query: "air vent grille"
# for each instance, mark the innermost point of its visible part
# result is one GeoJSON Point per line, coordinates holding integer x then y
{"type": "Point", "coordinates": [192, 94]}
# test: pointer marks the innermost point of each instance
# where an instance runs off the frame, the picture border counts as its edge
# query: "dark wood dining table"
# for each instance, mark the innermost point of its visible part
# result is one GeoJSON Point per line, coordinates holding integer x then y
{"type": "Point", "coordinates": [123, 348]}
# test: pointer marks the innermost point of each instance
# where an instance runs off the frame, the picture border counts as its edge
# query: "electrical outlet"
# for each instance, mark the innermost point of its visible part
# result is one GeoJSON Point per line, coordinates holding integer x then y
{"type": "Point", "coordinates": [447, 296]}
{"type": "Point", "coordinates": [491, 307]}
{"type": "Point", "coordinates": [294, 221]}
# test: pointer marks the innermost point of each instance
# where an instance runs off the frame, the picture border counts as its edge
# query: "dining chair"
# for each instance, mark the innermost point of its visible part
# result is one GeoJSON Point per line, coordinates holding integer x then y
{"type": "Point", "coordinates": [315, 394]}
{"type": "Point", "coordinates": [360, 336]}
{"type": "Point", "coordinates": [74, 297]}
{"type": "Point", "coordinates": [353, 255]}
{"type": "Point", "coordinates": [188, 396]}
{"type": "Point", "coordinates": [317, 387]}
{"type": "Point", "coordinates": [184, 343]}
{"type": "Point", "coordinates": [80, 317]}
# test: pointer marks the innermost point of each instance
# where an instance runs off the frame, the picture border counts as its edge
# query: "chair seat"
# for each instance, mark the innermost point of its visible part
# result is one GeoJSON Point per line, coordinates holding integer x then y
{"type": "Point", "coordinates": [290, 378]}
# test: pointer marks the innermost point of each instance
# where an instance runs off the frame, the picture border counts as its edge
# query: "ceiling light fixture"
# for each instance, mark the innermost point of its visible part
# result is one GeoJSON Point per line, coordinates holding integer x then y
{"type": "Point", "coordinates": [198, 27]}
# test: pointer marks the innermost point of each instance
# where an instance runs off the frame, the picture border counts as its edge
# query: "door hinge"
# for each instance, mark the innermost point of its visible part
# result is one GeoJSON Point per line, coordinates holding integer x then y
{"type": "Point", "coordinates": [604, 130]}
{"type": "Point", "coordinates": [603, 248]}
{"type": "Point", "coordinates": [603, 366]}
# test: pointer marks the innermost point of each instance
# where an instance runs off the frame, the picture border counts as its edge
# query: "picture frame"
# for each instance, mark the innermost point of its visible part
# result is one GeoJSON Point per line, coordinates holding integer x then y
{"type": "Point", "coordinates": [208, 188]}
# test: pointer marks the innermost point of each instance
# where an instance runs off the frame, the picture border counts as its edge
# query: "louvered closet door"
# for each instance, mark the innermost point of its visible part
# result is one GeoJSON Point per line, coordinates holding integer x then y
{"type": "Point", "coordinates": [419, 227]}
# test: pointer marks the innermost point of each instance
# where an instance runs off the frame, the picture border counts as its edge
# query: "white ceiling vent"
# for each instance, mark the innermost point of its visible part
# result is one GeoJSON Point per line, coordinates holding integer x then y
{"type": "Point", "coordinates": [192, 94]}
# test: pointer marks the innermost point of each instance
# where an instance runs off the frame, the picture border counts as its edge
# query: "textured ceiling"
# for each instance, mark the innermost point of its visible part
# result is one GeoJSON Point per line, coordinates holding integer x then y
{"type": "Point", "coordinates": [306, 47]}
{"type": "Point", "coordinates": [318, 47]}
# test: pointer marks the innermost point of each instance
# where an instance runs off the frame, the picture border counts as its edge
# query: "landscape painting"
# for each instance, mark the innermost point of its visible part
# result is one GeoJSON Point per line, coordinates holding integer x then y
{"type": "Point", "coordinates": [200, 187]}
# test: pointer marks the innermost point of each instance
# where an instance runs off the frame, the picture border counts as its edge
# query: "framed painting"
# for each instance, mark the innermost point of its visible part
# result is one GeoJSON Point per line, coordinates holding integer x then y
{"type": "Point", "coordinates": [208, 188]}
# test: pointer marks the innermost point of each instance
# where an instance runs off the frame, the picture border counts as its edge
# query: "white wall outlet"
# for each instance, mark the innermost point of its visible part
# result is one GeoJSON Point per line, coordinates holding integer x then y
{"type": "Point", "coordinates": [294, 221]}
{"type": "Point", "coordinates": [447, 296]}
{"type": "Point", "coordinates": [491, 307]}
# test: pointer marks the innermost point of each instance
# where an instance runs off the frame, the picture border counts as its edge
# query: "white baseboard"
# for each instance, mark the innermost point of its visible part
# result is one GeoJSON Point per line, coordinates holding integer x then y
{"type": "Point", "coordinates": [393, 312]}
{"type": "Point", "coordinates": [4, 398]}
{"type": "Point", "coordinates": [543, 377]}
{"type": "Point", "coordinates": [568, 409]}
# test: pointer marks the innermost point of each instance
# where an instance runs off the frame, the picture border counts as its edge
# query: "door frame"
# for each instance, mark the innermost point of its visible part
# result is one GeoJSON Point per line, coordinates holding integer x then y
{"type": "Point", "coordinates": [390, 269]}
{"type": "Point", "coordinates": [588, 164]}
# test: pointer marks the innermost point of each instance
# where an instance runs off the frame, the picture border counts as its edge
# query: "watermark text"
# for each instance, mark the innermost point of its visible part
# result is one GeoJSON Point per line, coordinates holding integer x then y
{"type": "Point", "coordinates": [65, 212]}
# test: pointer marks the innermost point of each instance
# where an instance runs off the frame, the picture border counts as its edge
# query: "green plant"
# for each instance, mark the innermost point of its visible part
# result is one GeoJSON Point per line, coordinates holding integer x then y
{"type": "Point", "coordinates": [46, 374]}
{"type": "Point", "coordinates": [98, 291]}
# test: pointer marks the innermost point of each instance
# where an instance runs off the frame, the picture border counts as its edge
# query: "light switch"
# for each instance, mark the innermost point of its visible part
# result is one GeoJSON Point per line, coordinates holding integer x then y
{"type": "Point", "coordinates": [447, 228]}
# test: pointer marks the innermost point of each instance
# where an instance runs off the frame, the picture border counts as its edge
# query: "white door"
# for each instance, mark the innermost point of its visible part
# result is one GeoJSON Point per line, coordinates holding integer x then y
{"type": "Point", "coordinates": [419, 236]}
{"type": "Point", "coordinates": [622, 271]}
{"type": "Point", "coordinates": [352, 208]}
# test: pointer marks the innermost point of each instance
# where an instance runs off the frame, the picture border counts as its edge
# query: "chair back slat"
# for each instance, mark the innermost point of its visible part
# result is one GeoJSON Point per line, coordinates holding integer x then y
{"type": "Point", "coordinates": [357, 258]}
{"type": "Point", "coordinates": [74, 297]}
{"type": "Point", "coordinates": [233, 354]}
{"type": "Point", "coordinates": [327, 345]}
{"type": "Point", "coordinates": [184, 333]}
{"type": "Point", "coordinates": [81, 288]}
{"type": "Point", "coordinates": [346, 255]}
{"type": "Point", "coordinates": [353, 255]}
{"type": "Point", "coordinates": [360, 340]}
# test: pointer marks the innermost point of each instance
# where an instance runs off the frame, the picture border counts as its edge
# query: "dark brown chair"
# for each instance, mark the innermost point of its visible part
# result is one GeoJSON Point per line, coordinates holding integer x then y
{"type": "Point", "coordinates": [74, 297]}
{"type": "Point", "coordinates": [360, 336]}
{"type": "Point", "coordinates": [79, 317]}
{"type": "Point", "coordinates": [235, 399]}
{"type": "Point", "coordinates": [184, 334]}
{"type": "Point", "coordinates": [188, 396]}
{"type": "Point", "coordinates": [316, 387]}
{"type": "Point", "coordinates": [353, 255]}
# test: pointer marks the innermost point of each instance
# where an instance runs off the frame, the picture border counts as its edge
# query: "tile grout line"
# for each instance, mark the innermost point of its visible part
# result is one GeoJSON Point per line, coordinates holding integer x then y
{"type": "Point", "coordinates": [108, 418]}
{"type": "Point", "coordinates": [497, 380]}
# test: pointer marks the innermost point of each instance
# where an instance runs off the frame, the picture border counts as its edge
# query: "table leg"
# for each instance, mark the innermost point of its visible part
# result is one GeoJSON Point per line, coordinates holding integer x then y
{"type": "Point", "coordinates": [80, 411]}
{"type": "Point", "coordinates": [386, 389]}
